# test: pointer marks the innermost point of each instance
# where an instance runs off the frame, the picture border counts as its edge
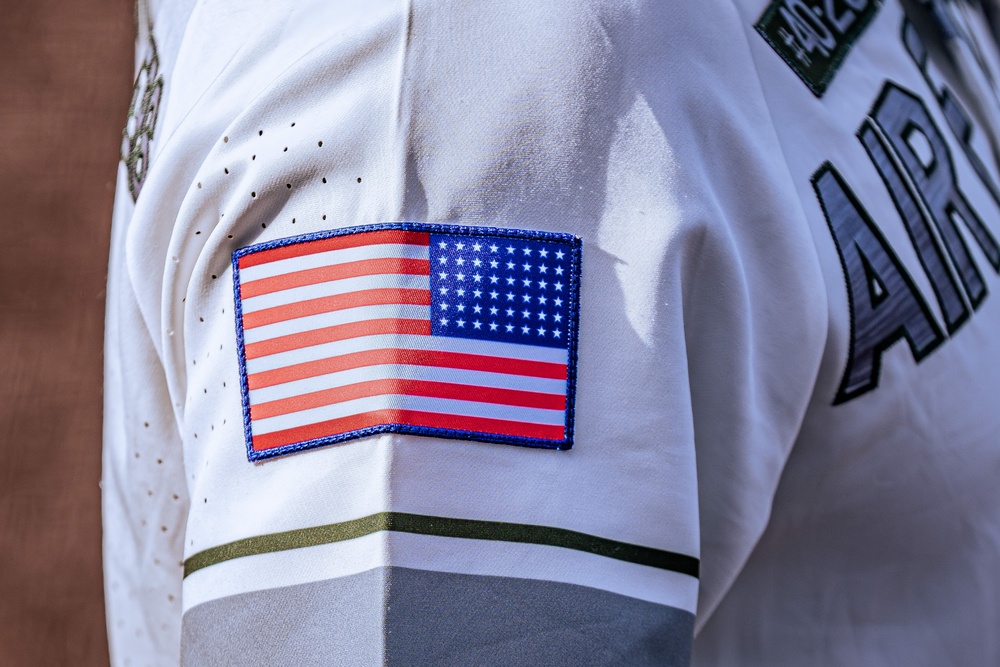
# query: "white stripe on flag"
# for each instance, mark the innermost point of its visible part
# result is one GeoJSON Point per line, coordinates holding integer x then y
{"type": "Point", "coordinates": [445, 406]}
{"type": "Point", "coordinates": [333, 318]}
{"type": "Point", "coordinates": [332, 258]}
{"type": "Point", "coordinates": [404, 372]}
{"type": "Point", "coordinates": [552, 355]}
{"type": "Point", "coordinates": [334, 287]}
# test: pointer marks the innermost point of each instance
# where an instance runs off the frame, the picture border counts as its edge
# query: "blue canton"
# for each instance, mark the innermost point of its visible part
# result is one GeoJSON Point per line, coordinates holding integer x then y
{"type": "Point", "coordinates": [504, 289]}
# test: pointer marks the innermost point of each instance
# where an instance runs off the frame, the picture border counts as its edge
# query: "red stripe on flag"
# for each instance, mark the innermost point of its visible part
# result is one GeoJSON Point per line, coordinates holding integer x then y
{"type": "Point", "coordinates": [472, 362]}
{"type": "Point", "coordinates": [409, 418]}
{"type": "Point", "coordinates": [338, 332]}
{"type": "Point", "coordinates": [324, 274]}
{"type": "Point", "coordinates": [371, 297]}
{"type": "Point", "coordinates": [406, 387]}
{"type": "Point", "coordinates": [334, 243]}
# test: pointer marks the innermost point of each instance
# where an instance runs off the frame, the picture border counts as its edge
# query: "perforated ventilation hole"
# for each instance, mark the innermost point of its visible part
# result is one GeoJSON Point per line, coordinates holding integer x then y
{"type": "Point", "coordinates": [260, 133]}
{"type": "Point", "coordinates": [253, 157]}
{"type": "Point", "coordinates": [225, 169]}
{"type": "Point", "coordinates": [225, 140]}
{"type": "Point", "coordinates": [214, 277]}
{"type": "Point", "coordinates": [359, 179]}
{"type": "Point", "coordinates": [324, 217]}
{"type": "Point", "coordinates": [199, 186]}
{"type": "Point", "coordinates": [288, 185]}
{"type": "Point", "coordinates": [293, 124]}
{"type": "Point", "coordinates": [324, 179]}
{"type": "Point", "coordinates": [197, 232]}
{"type": "Point", "coordinates": [264, 225]}
{"type": "Point", "coordinates": [201, 319]}
{"type": "Point", "coordinates": [145, 424]}
{"type": "Point", "coordinates": [293, 221]}
{"type": "Point", "coordinates": [286, 150]}
{"type": "Point", "coordinates": [253, 194]}
{"type": "Point", "coordinates": [321, 144]}
{"type": "Point", "coordinates": [229, 236]}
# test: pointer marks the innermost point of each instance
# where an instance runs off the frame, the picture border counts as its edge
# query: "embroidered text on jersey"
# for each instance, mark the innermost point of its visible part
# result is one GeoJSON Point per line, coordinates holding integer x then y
{"type": "Point", "coordinates": [910, 153]}
{"type": "Point", "coordinates": [141, 122]}
{"type": "Point", "coordinates": [814, 36]}
{"type": "Point", "coordinates": [445, 331]}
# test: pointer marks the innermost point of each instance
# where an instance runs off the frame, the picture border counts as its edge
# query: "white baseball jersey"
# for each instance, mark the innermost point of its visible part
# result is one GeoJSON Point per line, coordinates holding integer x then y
{"type": "Point", "coordinates": [604, 332]}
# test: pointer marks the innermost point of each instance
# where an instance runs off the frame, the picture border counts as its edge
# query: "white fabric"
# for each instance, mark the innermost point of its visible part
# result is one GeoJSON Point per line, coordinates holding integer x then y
{"type": "Point", "coordinates": [714, 326]}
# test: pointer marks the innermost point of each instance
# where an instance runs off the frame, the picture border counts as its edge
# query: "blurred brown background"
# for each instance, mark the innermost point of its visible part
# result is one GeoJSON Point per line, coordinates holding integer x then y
{"type": "Point", "coordinates": [65, 85]}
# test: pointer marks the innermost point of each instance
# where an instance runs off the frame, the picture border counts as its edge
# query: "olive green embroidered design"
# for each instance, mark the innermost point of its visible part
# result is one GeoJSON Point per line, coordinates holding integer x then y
{"type": "Point", "coordinates": [141, 122]}
{"type": "Point", "coordinates": [814, 36]}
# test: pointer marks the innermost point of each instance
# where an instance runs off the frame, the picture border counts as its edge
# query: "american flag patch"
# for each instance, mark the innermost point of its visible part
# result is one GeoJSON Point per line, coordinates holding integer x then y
{"type": "Point", "coordinates": [434, 330]}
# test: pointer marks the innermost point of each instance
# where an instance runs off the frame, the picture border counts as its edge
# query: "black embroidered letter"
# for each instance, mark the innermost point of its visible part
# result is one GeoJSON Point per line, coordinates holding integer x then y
{"type": "Point", "coordinates": [928, 249]}
{"type": "Point", "coordinates": [956, 117]}
{"type": "Point", "coordinates": [885, 305]}
{"type": "Point", "coordinates": [907, 127]}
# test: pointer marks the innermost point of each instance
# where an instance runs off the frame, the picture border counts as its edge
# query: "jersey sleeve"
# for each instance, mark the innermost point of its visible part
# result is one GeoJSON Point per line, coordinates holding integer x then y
{"type": "Point", "coordinates": [144, 493]}
{"type": "Point", "coordinates": [363, 484]}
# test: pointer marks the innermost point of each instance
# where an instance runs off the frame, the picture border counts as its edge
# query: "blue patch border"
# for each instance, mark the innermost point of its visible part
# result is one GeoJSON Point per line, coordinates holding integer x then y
{"type": "Point", "coordinates": [576, 247]}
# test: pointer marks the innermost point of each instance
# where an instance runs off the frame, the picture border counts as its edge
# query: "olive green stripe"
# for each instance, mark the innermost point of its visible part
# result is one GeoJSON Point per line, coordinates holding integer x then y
{"type": "Point", "coordinates": [443, 527]}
